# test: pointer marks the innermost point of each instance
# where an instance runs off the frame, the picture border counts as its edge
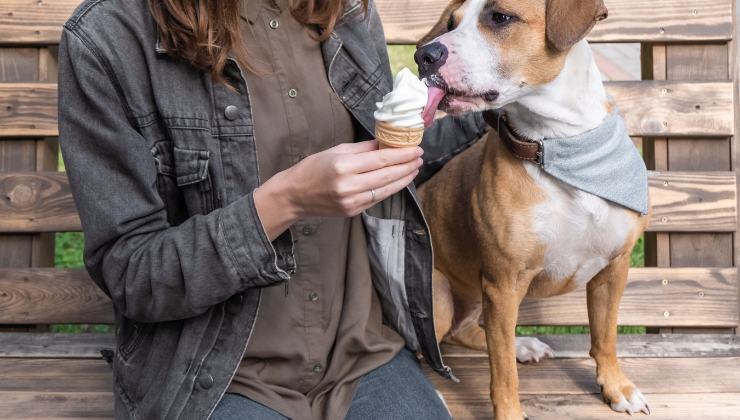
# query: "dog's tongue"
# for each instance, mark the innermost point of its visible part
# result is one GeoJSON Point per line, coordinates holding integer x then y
{"type": "Point", "coordinates": [435, 97]}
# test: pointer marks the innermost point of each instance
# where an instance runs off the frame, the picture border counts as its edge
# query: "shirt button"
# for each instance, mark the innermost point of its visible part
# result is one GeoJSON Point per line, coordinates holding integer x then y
{"type": "Point", "coordinates": [206, 381]}
{"type": "Point", "coordinates": [231, 112]}
{"type": "Point", "coordinates": [307, 230]}
{"type": "Point", "coordinates": [317, 368]}
{"type": "Point", "coordinates": [313, 296]}
{"type": "Point", "coordinates": [293, 93]}
{"type": "Point", "coordinates": [274, 24]}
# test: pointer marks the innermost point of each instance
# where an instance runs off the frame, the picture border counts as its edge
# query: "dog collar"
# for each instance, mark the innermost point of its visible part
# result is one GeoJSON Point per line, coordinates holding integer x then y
{"type": "Point", "coordinates": [519, 146]}
{"type": "Point", "coordinates": [603, 161]}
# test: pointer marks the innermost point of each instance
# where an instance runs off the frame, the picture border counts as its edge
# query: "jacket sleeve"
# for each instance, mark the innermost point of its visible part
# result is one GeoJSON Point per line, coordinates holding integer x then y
{"type": "Point", "coordinates": [446, 138]}
{"type": "Point", "coordinates": [152, 271]}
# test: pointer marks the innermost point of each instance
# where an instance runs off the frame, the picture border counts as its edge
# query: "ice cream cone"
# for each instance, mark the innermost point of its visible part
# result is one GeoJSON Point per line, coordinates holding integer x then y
{"type": "Point", "coordinates": [391, 136]}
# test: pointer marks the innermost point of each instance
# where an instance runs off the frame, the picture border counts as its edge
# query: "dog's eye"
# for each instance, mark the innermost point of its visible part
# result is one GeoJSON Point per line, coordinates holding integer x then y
{"type": "Point", "coordinates": [451, 24]}
{"type": "Point", "coordinates": [501, 19]}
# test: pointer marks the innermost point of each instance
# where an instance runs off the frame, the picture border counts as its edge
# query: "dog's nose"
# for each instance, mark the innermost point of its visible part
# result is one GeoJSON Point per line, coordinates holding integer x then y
{"type": "Point", "coordinates": [430, 58]}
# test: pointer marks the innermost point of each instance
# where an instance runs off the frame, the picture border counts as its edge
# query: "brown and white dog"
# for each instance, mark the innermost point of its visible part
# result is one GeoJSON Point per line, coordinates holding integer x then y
{"type": "Point", "coordinates": [504, 229]}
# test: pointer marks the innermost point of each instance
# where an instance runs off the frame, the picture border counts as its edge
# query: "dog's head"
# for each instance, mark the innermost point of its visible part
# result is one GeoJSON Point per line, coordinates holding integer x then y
{"type": "Point", "coordinates": [484, 54]}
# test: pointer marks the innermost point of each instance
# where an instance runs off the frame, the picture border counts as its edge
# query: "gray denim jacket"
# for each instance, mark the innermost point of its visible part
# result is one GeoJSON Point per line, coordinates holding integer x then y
{"type": "Point", "coordinates": [163, 177]}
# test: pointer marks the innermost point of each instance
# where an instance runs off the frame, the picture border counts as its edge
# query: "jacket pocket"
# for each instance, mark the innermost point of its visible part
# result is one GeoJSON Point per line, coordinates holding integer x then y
{"type": "Point", "coordinates": [193, 178]}
{"type": "Point", "coordinates": [169, 192]}
{"type": "Point", "coordinates": [131, 339]}
{"type": "Point", "coordinates": [386, 251]}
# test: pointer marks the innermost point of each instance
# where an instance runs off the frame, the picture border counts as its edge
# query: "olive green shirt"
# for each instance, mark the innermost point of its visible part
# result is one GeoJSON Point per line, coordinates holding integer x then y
{"type": "Point", "coordinates": [315, 337]}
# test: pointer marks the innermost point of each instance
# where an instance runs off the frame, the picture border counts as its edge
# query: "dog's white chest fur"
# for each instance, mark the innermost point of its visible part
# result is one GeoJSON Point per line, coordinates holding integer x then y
{"type": "Point", "coordinates": [582, 233]}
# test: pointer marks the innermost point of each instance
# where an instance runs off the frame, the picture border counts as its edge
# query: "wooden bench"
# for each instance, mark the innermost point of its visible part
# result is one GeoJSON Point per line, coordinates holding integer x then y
{"type": "Point", "coordinates": [683, 113]}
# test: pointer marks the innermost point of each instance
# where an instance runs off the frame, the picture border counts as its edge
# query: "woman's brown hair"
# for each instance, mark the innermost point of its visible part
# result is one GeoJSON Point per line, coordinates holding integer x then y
{"type": "Point", "coordinates": [205, 32]}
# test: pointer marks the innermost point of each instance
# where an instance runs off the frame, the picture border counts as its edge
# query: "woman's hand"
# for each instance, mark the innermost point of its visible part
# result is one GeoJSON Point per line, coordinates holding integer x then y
{"type": "Point", "coordinates": [337, 182]}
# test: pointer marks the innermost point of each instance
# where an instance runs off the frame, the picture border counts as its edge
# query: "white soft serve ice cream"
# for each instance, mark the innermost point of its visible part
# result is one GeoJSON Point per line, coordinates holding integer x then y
{"type": "Point", "coordinates": [404, 106]}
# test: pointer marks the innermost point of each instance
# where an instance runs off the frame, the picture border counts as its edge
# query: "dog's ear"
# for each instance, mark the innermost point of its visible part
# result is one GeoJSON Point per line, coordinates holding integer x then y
{"type": "Point", "coordinates": [569, 21]}
{"type": "Point", "coordinates": [443, 24]}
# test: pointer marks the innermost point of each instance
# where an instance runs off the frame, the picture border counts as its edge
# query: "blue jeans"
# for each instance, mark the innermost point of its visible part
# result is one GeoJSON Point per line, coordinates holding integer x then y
{"type": "Point", "coordinates": [396, 390]}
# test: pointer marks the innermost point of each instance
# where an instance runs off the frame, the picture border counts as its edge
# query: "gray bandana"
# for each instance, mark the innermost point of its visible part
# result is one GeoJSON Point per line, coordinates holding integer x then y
{"type": "Point", "coordinates": [603, 162]}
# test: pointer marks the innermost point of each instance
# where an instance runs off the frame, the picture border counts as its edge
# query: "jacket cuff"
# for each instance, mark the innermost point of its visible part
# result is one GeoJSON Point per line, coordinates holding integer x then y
{"type": "Point", "coordinates": [257, 260]}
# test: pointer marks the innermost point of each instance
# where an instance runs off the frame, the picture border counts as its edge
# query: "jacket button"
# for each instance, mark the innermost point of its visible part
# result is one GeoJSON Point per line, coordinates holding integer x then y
{"type": "Point", "coordinates": [420, 232]}
{"type": "Point", "coordinates": [231, 112]}
{"type": "Point", "coordinates": [205, 381]}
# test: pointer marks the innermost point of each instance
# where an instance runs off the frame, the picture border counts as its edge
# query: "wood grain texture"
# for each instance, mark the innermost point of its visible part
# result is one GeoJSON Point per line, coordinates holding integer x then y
{"type": "Point", "coordinates": [406, 21]}
{"type": "Point", "coordinates": [654, 297]}
{"type": "Point", "coordinates": [578, 376]}
{"type": "Point", "coordinates": [570, 346]}
{"type": "Point", "coordinates": [35, 405]}
{"type": "Point", "coordinates": [650, 108]}
{"type": "Point", "coordinates": [700, 406]}
{"type": "Point", "coordinates": [693, 202]}
{"type": "Point", "coordinates": [36, 202]}
{"type": "Point", "coordinates": [88, 345]}
{"type": "Point", "coordinates": [28, 110]}
{"type": "Point", "coordinates": [682, 202]}
{"type": "Point", "coordinates": [662, 108]}
{"type": "Point", "coordinates": [51, 296]}
{"type": "Point", "coordinates": [55, 375]}
{"type": "Point", "coordinates": [689, 297]}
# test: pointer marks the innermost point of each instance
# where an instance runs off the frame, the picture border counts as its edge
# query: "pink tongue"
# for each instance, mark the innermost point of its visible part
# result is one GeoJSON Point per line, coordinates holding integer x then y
{"type": "Point", "coordinates": [435, 97]}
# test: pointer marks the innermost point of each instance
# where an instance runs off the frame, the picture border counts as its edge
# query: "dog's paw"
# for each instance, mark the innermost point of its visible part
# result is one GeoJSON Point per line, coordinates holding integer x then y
{"type": "Point", "coordinates": [530, 349]}
{"type": "Point", "coordinates": [635, 404]}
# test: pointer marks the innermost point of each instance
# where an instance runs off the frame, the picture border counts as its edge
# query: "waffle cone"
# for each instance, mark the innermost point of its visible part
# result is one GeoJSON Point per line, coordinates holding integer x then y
{"type": "Point", "coordinates": [391, 136]}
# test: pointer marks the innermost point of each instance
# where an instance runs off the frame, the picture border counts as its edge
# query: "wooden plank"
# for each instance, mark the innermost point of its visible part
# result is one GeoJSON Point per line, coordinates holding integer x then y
{"type": "Point", "coordinates": [50, 296]}
{"type": "Point", "coordinates": [650, 108]}
{"type": "Point", "coordinates": [35, 405]}
{"type": "Point", "coordinates": [661, 108]}
{"type": "Point", "coordinates": [578, 376]}
{"type": "Point", "coordinates": [693, 202]}
{"type": "Point", "coordinates": [37, 202]}
{"type": "Point", "coordinates": [406, 21]}
{"type": "Point", "coordinates": [88, 345]}
{"type": "Point", "coordinates": [700, 406]}
{"type": "Point", "coordinates": [28, 110]}
{"type": "Point", "coordinates": [570, 346]}
{"type": "Point", "coordinates": [689, 297]}
{"type": "Point", "coordinates": [682, 202]}
{"type": "Point", "coordinates": [55, 375]}
{"type": "Point", "coordinates": [654, 297]}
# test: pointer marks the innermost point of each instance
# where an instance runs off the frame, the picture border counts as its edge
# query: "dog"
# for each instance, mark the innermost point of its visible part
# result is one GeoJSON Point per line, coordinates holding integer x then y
{"type": "Point", "coordinates": [504, 229]}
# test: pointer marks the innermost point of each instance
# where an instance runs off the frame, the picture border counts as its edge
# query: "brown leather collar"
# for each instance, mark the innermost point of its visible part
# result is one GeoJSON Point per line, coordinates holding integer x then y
{"type": "Point", "coordinates": [521, 147]}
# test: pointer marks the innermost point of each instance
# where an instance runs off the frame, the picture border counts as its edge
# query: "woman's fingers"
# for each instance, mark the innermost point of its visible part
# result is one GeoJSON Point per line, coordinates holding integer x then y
{"type": "Point", "coordinates": [359, 147]}
{"type": "Point", "coordinates": [384, 192]}
{"type": "Point", "coordinates": [376, 159]}
{"type": "Point", "coordinates": [381, 177]}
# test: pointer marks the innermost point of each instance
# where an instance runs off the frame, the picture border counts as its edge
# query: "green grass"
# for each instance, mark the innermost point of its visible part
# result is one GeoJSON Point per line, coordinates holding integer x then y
{"type": "Point", "coordinates": [69, 245]}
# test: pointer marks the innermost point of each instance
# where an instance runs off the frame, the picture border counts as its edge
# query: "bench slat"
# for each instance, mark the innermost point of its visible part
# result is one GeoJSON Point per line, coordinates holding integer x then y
{"type": "Point", "coordinates": [25, 22]}
{"type": "Point", "coordinates": [465, 406]}
{"type": "Point", "coordinates": [650, 108]}
{"type": "Point", "coordinates": [682, 202]}
{"type": "Point", "coordinates": [32, 405]}
{"type": "Point", "coordinates": [55, 375]}
{"type": "Point", "coordinates": [692, 297]}
{"type": "Point", "coordinates": [88, 345]}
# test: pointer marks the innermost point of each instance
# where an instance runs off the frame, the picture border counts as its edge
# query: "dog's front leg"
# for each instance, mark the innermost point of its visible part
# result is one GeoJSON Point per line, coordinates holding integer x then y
{"type": "Point", "coordinates": [604, 294]}
{"type": "Point", "coordinates": [502, 295]}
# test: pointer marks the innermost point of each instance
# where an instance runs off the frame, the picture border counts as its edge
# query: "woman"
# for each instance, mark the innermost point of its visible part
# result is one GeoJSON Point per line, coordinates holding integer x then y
{"type": "Point", "coordinates": [219, 156]}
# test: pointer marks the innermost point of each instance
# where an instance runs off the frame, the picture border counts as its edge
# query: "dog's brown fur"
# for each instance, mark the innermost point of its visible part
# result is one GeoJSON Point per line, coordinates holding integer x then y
{"type": "Point", "coordinates": [488, 257]}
